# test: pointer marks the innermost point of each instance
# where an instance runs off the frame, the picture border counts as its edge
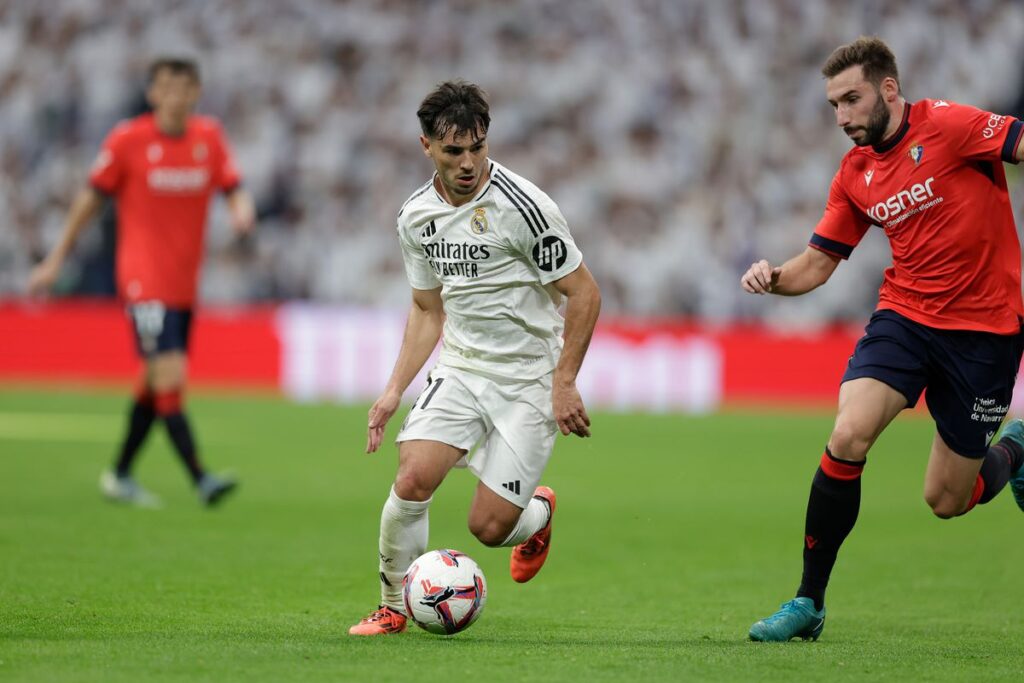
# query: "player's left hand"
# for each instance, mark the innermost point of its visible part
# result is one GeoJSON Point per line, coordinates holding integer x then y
{"type": "Point", "coordinates": [570, 413]}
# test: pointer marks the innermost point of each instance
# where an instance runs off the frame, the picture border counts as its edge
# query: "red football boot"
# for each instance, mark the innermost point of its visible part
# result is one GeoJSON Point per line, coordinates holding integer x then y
{"type": "Point", "coordinates": [382, 621]}
{"type": "Point", "coordinates": [529, 556]}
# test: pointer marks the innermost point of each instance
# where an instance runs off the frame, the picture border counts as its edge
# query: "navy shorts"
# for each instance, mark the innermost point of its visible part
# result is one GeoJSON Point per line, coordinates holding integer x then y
{"type": "Point", "coordinates": [969, 375]}
{"type": "Point", "coordinates": [159, 329]}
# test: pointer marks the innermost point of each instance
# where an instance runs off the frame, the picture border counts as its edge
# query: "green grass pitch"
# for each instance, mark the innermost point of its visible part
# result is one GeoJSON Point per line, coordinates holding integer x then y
{"type": "Point", "coordinates": [673, 535]}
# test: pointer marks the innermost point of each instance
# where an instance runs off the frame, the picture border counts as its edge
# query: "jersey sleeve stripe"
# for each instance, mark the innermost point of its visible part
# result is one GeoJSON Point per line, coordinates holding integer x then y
{"type": "Point", "coordinates": [415, 195]}
{"type": "Point", "coordinates": [830, 246]}
{"type": "Point", "coordinates": [1012, 140]}
{"type": "Point", "coordinates": [518, 190]}
{"type": "Point", "coordinates": [515, 202]}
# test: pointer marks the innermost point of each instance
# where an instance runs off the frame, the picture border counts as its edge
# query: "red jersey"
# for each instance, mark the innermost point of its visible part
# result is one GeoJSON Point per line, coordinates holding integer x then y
{"type": "Point", "coordinates": [938, 189]}
{"type": "Point", "coordinates": [162, 184]}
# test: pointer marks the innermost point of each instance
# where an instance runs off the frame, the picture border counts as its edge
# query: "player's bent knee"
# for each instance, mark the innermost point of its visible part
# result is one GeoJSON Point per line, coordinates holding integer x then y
{"type": "Point", "coordinates": [167, 375]}
{"type": "Point", "coordinates": [944, 512]}
{"type": "Point", "coordinates": [490, 532]}
{"type": "Point", "coordinates": [167, 387]}
{"type": "Point", "coordinates": [168, 381]}
{"type": "Point", "coordinates": [411, 486]}
{"type": "Point", "coordinates": [847, 443]}
{"type": "Point", "coordinates": [944, 506]}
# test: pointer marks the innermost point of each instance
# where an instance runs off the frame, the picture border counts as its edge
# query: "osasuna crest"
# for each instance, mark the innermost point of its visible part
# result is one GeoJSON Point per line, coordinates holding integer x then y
{"type": "Point", "coordinates": [916, 151]}
{"type": "Point", "coordinates": [154, 153]}
{"type": "Point", "coordinates": [199, 152]}
{"type": "Point", "coordinates": [478, 221]}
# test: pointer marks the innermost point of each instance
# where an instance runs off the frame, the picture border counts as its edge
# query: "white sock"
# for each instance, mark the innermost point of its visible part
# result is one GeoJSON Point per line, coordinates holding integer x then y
{"type": "Point", "coordinates": [404, 525]}
{"type": "Point", "coordinates": [533, 519]}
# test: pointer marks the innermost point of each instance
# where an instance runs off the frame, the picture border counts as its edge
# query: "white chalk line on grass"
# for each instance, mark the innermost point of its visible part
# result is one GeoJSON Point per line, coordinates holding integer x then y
{"type": "Point", "coordinates": [25, 426]}
{"type": "Point", "coordinates": [80, 427]}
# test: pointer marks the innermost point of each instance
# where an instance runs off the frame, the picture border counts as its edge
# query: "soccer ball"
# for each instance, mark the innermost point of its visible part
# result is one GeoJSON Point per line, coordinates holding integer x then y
{"type": "Point", "coordinates": [444, 591]}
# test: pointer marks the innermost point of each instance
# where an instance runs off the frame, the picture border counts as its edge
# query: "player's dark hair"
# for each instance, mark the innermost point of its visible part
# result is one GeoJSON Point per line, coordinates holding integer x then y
{"type": "Point", "coordinates": [178, 66]}
{"type": "Point", "coordinates": [454, 105]}
{"type": "Point", "coordinates": [871, 53]}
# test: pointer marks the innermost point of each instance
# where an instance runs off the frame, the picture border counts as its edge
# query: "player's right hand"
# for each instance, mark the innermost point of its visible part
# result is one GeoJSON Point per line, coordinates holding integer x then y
{"type": "Point", "coordinates": [243, 218]}
{"type": "Point", "coordinates": [43, 277]}
{"type": "Point", "coordinates": [381, 411]}
{"type": "Point", "coordinates": [760, 278]}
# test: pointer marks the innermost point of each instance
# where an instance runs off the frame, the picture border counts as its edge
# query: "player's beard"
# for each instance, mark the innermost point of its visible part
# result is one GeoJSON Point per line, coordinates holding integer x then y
{"type": "Point", "coordinates": [878, 122]}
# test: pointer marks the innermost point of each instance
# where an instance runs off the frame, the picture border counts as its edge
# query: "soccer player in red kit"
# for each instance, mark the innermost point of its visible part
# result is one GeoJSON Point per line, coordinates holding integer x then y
{"type": "Point", "coordinates": [949, 316]}
{"type": "Point", "coordinates": [161, 168]}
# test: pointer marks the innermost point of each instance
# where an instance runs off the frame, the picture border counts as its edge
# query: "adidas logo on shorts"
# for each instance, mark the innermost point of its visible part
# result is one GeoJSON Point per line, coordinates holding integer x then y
{"type": "Point", "coordinates": [512, 486]}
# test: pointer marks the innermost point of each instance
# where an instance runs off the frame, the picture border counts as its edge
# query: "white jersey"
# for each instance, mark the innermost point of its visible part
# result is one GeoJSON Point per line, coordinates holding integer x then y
{"type": "Point", "coordinates": [494, 258]}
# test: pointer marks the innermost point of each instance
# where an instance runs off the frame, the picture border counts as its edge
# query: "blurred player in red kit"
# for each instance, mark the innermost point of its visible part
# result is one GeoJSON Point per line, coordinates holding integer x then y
{"type": "Point", "coordinates": [161, 169]}
{"type": "Point", "coordinates": [930, 175]}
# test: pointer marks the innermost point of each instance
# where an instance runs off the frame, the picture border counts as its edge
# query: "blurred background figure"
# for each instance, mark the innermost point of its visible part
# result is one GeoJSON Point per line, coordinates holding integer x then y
{"type": "Point", "coordinates": [161, 169]}
{"type": "Point", "coordinates": [679, 138]}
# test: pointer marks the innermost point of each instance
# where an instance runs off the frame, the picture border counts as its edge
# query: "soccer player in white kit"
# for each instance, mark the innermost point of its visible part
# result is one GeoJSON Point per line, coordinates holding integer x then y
{"type": "Point", "coordinates": [490, 259]}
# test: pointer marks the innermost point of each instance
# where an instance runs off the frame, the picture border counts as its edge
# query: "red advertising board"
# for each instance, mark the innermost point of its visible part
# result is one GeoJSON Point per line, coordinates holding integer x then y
{"type": "Point", "coordinates": [318, 352]}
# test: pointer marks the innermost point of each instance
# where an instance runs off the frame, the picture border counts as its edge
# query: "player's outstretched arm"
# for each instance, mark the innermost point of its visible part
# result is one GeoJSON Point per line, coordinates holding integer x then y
{"type": "Point", "coordinates": [583, 304]}
{"type": "Point", "coordinates": [85, 205]}
{"type": "Point", "coordinates": [422, 330]}
{"type": "Point", "coordinates": [242, 210]}
{"type": "Point", "coordinates": [798, 275]}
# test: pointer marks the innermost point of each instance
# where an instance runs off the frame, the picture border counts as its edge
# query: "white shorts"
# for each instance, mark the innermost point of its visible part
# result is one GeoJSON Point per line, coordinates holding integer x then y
{"type": "Point", "coordinates": [512, 421]}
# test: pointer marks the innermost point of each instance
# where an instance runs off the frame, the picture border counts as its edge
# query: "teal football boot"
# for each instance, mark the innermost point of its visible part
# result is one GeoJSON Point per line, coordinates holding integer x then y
{"type": "Point", "coordinates": [124, 489]}
{"type": "Point", "coordinates": [795, 619]}
{"type": "Point", "coordinates": [213, 488]}
{"type": "Point", "coordinates": [1014, 431]}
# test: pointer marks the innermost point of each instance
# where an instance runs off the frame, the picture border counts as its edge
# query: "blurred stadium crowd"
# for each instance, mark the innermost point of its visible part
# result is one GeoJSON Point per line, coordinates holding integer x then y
{"type": "Point", "coordinates": [682, 139]}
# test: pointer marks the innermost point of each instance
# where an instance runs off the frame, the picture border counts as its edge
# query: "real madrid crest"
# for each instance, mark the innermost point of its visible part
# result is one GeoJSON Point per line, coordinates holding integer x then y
{"type": "Point", "coordinates": [916, 151]}
{"type": "Point", "coordinates": [478, 221]}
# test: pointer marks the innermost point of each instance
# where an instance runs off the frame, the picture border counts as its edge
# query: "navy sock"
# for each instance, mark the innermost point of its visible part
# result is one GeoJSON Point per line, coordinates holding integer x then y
{"type": "Point", "coordinates": [1013, 451]}
{"type": "Point", "coordinates": [140, 419]}
{"type": "Point", "coordinates": [181, 436]}
{"type": "Point", "coordinates": [832, 510]}
{"type": "Point", "coordinates": [169, 407]}
{"type": "Point", "coordinates": [1001, 461]}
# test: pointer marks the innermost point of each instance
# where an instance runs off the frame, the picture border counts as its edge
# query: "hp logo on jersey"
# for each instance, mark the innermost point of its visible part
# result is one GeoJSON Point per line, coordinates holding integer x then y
{"type": "Point", "coordinates": [549, 254]}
